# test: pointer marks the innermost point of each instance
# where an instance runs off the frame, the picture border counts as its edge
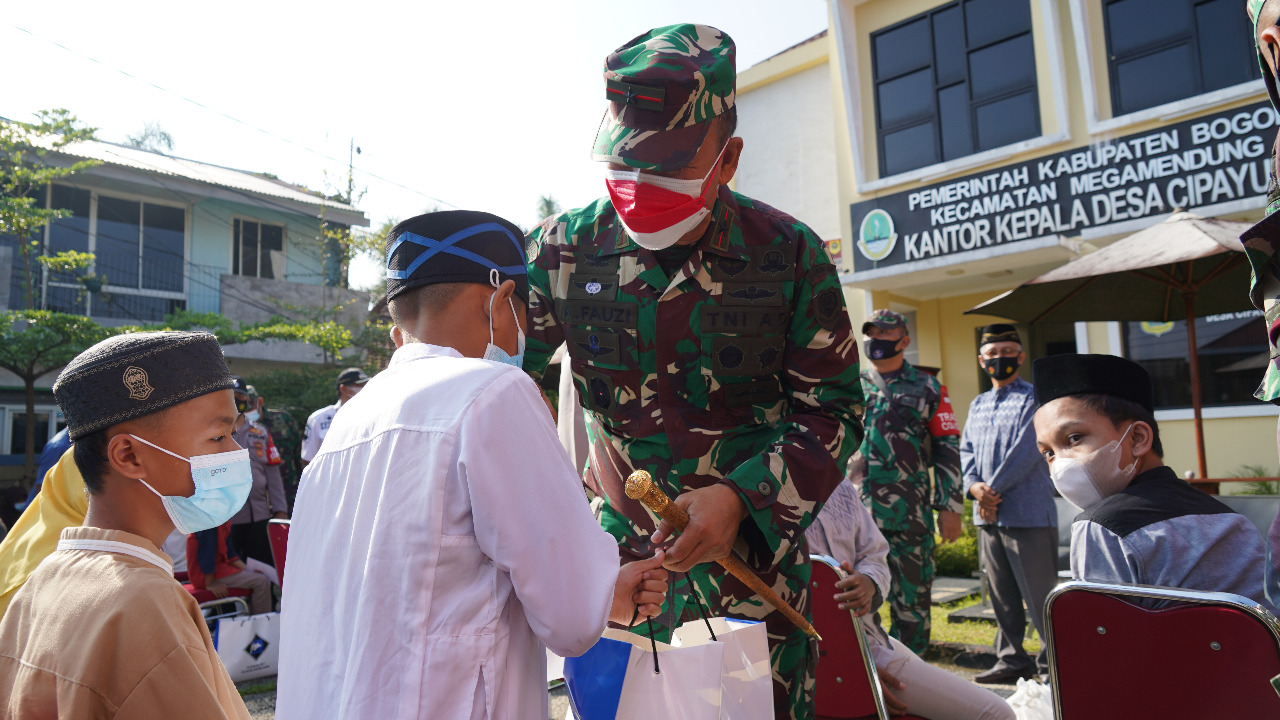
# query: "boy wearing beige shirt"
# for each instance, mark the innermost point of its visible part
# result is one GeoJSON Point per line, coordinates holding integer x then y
{"type": "Point", "coordinates": [102, 629]}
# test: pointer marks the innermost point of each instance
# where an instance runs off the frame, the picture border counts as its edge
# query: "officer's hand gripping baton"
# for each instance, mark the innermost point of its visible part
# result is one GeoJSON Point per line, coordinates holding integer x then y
{"type": "Point", "coordinates": [640, 486]}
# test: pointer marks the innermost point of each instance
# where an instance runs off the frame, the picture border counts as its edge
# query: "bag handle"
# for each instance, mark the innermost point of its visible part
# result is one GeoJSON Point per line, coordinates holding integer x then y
{"type": "Point", "coordinates": [701, 612]}
{"type": "Point", "coordinates": [653, 644]}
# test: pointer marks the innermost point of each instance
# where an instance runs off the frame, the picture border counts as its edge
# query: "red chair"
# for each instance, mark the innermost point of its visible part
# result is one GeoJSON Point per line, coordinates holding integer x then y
{"type": "Point", "coordinates": [214, 608]}
{"type": "Point", "coordinates": [1199, 655]}
{"type": "Point", "coordinates": [278, 535]}
{"type": "Point", "coordinates": [848, 685]}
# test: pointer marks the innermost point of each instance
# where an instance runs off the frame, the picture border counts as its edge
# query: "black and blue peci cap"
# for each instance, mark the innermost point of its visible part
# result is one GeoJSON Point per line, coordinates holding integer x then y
{"type": "Point", "coordinates": [455, 246]}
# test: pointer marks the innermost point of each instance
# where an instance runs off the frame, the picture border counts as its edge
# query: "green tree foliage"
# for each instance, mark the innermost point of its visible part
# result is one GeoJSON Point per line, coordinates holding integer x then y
{"type": "Point", "coordinates": [297, 392]}
{"type": "Point", "coordinates": [547, 207]}
{"type": "Point", "coordinates": [153, 138]}
{"type": "Point", "coordinates": [960, 558]}
{"type": "Point", "coordinates": [34, 343]}
{"type": "Point", "coordinates": [27, 166]}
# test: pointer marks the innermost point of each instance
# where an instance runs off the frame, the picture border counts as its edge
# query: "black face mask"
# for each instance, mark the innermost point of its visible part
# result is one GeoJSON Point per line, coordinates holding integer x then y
{"type": "Point", "coordinates": [881, 349]}
{"type": "Point", "coordinates": [1001, 368]}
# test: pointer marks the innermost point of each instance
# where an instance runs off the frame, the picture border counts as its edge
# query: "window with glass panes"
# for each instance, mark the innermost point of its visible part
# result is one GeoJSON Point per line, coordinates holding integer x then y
{"type": "Point", "coordinates": [954, 81]}
{"type": "Point", "coordinates": [1232, 351]}
{"type": "Point", "coordinates": [139, 252]}
{"type": "Point", "coordinates": [257, 249]}
{"type": "Point", "coordinates": [1159, 51]}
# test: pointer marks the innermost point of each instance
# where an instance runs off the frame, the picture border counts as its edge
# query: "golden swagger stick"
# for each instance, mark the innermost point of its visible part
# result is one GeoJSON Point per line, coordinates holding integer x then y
{"type": "Point", "coordinates": [640, 486]}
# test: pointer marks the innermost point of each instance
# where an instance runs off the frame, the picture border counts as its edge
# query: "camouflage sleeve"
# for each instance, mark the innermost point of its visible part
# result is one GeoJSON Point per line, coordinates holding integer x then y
{"type": "Point", "coordinates": [1260, 243]}
{"type": "Point", "coordinates": [948, 485]}
{"type": "Point", "coordinates": [545, 334]}
{"type": "Point", "coordinates": [786, 485]}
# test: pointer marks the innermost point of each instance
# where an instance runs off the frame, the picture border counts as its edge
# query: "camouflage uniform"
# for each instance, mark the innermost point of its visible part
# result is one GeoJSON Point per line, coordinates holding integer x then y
{"type": "Point", "coordinates": [288, 440]}
{"type": "Point", "coordinates": [739, 368]}
{"type": "Point", "coordinates": [1260, 244]}
{"type": "Point", "coordinates": [895, 457]}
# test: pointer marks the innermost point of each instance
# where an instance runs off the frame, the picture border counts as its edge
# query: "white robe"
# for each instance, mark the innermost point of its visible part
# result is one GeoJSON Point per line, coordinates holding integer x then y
{"type": "Point", "coordinates": [440, 543]}
{"type": "Point", "coordinates": [844, 530]}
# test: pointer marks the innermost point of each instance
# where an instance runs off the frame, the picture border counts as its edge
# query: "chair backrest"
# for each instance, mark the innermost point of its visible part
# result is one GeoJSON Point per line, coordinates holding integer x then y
{"type": "Point", "coordinates": [1121, 651]}
{"type": "Point", "coordinates": [278, 536]}
{"type": "Point", "coordinates": [847, 685]}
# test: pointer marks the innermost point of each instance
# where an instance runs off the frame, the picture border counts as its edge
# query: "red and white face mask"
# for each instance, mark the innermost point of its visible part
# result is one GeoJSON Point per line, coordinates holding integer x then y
{"type": "Point", "coordinates": [657, 211]}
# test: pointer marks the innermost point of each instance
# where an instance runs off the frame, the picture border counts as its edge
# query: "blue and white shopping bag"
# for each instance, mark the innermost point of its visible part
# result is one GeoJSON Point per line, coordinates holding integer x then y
{"type": "Point", "coordinates": [696, 678]}
{"type": "Point", "coordinates": [746, 681]}
{"type": "Point", "coordinates": [615, 680]}
{"type": "Point", "coordinates": [248, 645]}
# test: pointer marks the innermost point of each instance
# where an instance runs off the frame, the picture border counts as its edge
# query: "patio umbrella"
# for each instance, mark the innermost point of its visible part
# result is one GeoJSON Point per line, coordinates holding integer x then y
{"type": "Point", "coordinates": [1179, 269]}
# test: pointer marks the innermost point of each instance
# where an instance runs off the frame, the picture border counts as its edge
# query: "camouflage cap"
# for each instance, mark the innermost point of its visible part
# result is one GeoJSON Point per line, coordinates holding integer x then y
{"type": "Point", "coordinates": [664, 87]}
{"type": "Point", "coordinates": [1254, 9]}
{"type": "Point", "coordinates": [885, 320]}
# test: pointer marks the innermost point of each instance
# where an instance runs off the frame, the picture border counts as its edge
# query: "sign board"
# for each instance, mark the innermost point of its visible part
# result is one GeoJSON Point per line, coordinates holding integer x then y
{"type": "Point", "coordinates": [1209, 160]}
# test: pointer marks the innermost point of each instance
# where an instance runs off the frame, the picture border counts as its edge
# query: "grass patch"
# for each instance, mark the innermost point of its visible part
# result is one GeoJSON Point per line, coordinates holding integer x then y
{"type": "Point", "coordinates": [967, 633]}
{"type": "Point", "coordinates": [258, 688]}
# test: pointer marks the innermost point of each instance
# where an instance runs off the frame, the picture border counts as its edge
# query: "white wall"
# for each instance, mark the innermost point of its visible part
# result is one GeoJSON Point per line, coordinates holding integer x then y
{"type": "Point", "coordinates": [788, 158]}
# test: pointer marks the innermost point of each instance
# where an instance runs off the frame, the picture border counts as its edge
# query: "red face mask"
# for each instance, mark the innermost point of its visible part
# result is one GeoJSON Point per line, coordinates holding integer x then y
{"type": "Point", "coordinates": [657, 211]}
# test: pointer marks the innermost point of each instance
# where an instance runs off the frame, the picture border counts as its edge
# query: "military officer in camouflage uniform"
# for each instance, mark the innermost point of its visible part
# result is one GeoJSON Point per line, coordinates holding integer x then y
{"type": "Point", "coordinates": [708, 339]}
{"type": "Point", "coordinates": [1261, 242]}
{"type": "Point", "coordinates": [910, 428]}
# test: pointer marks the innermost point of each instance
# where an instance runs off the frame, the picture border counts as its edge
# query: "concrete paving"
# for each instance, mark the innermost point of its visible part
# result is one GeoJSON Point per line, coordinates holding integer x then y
{"type": "Point", "coordinates": [953, 589]}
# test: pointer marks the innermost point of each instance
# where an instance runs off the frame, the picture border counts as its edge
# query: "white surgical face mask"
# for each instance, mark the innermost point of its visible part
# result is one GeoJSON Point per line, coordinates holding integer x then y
{"type": "Point", "coordinates": [492, 351]}
{"type": "Point", "coordinates": [1088, 480]}
{"type": "Point", "coordinates": [222, 483]}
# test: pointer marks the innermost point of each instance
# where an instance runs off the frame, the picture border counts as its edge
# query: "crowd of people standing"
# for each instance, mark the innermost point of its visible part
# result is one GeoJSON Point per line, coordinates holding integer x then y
{"type": "Point", "coordinates": [442, 539]}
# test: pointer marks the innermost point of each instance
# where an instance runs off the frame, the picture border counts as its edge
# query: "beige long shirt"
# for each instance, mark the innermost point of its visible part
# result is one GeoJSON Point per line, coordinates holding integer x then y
{"type": "Point", "coordinates": [102, 630]}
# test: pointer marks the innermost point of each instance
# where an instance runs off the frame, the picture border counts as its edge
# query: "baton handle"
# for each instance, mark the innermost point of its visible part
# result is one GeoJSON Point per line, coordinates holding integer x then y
{"type": "Point", "coordinates": [640, 486]}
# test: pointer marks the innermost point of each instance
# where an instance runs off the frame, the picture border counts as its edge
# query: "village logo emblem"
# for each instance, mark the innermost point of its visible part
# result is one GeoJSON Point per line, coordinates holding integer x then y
{"type": "Point", "coordinates": [876, 239]}
{"type": "Point", "coordinates": [135, 379]}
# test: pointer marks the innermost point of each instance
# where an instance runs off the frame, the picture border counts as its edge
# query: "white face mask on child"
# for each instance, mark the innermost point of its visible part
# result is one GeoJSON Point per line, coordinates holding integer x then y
{"type": "Point", "coordinates": [1088, 480]}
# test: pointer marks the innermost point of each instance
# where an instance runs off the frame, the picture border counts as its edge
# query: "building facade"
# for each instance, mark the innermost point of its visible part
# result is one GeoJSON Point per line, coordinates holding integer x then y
{"type": "Point", "coordinates": [168, 234]}
{"type": "Point", "coordinates": [976, 144]}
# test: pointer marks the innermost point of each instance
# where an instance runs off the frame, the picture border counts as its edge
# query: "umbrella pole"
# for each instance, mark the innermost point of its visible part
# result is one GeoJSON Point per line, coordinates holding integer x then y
{"type": "Point", "coordinates": [1193, 355]}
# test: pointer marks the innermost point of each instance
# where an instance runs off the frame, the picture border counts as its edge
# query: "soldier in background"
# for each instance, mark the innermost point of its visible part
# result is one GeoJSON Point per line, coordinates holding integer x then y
{"type": "Point", "coordinates": [708, 340]}
{"type": "Point", "coordinates": [910, 428]}
{"type": "Point", "coordinates": [287, 436]}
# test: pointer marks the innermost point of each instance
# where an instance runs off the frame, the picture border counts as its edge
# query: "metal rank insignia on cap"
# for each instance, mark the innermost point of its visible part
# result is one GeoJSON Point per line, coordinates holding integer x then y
{"type": "Point", "coordinates": [135, 379]}
{"type": "Point", "coordinates": [641, 96]}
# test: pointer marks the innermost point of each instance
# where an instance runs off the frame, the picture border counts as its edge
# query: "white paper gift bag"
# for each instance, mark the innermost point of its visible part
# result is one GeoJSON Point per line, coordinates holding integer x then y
{"type": "Point", "coordinates": [248, 645]}
{"type": "Point", "coordinates": [746, 681]}
{"type": "Point", "coordinates": [616, 680]}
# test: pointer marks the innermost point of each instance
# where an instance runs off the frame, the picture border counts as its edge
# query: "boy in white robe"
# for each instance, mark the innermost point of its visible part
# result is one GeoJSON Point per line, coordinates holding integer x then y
{"type": "Point", "coordinates": [441, 539]}
{"type": "Point", "coordinates": [845, 531]}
